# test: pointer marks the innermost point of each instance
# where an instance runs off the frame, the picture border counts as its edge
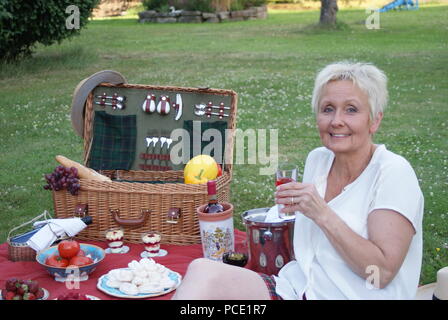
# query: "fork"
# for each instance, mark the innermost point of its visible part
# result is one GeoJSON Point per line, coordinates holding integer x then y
{"type": "Point", "coordinates": [162, 142]}
{"type": "Point", "coordinates": [148, 140]}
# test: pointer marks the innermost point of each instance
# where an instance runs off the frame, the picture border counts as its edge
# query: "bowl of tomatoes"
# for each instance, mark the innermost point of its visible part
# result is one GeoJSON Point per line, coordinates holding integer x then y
{"type": "Point", "coordinates": [70, 260]}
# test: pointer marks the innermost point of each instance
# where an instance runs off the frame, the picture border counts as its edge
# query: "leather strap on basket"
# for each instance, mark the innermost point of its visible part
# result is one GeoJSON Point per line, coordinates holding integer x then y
{"type": "Point", "coordinates": [130, 222]}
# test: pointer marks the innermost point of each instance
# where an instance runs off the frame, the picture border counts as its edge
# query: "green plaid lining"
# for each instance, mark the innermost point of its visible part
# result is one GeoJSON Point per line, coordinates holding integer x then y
{"type": "Point", "coordinates": [114, 142]}
{"type": "Point", "coordinates": [221, 126]}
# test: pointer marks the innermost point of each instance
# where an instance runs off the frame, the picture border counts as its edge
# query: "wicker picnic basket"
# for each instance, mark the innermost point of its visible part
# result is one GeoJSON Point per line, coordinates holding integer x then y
{"type": "Point", "coordinates": [168, 206]}
{"type": "Point", "coordinates": [18, 249]}
{"type": "Point", "coordinates": [20, 252]}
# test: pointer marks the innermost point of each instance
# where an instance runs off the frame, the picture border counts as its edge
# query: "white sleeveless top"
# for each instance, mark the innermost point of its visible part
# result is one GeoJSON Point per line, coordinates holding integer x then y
{"type": "Point", "coordinates": [388, 182]}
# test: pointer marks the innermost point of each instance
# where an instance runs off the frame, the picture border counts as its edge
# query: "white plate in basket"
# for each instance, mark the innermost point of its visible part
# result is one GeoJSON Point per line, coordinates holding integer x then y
{"type": "Point", "coordinates": [102, 286]}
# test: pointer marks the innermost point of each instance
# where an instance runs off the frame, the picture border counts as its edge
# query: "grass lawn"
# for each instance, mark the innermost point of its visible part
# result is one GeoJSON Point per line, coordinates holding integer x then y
{"type": "Point", "coordinates": [271, 64]}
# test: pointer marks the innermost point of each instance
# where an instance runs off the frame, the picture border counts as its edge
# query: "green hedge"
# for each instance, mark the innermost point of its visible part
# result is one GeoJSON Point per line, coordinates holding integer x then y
{"type": "Point", "coordinates": [159, 5]}
{"type": "Point", "coordinates": [199, 5]}
{"type": "Point", "coordinates": [244, 4]}
{"type": "Point", "coordinates": [24, 23]}
{"type": "Point", "coordinates": [287, 1]}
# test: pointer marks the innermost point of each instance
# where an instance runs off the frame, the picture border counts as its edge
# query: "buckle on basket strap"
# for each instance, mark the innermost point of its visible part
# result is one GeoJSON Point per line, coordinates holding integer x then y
{"type": "Point", "coordinates": [173, 215]}
{"type": "Point", "coordinates": [130, 222]}
{"type": "Point", "coordinates": [80, 210]}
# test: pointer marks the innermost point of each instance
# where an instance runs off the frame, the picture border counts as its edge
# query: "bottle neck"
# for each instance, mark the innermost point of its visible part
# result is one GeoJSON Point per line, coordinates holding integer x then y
{"type": "Point", "coordinates": [87, 220]}
{"type": "Point", "coordinates": [212, 198]}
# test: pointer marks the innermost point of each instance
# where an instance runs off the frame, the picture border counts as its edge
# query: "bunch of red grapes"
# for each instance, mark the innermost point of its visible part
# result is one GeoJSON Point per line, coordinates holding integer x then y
{"type": "Point", "coordinates": [63, 178]}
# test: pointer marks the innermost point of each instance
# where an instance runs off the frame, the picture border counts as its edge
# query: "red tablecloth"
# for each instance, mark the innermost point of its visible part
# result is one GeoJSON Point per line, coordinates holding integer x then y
{"type": "Point", "coordinates": [177, 259]}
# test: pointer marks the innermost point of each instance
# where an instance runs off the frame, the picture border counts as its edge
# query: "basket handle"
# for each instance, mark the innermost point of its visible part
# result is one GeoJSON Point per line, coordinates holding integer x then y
{"type": "Point", "coordinates": [45, 215]}
{"type": "Point", "coordinates": [130, 222]}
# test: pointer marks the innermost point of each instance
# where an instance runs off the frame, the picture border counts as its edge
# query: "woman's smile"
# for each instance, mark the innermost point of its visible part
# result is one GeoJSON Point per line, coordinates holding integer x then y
{"type": "Point", "coordinates": [339, 135]}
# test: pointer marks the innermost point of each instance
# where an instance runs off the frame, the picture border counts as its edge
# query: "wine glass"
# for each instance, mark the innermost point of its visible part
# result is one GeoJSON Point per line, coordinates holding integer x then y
{"type": "Point", "coordinates": [285, 173]}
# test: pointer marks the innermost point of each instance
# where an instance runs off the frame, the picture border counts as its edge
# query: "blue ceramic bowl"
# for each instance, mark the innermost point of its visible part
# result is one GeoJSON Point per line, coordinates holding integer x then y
{"type": "Point", "coordinates": [96, 253]}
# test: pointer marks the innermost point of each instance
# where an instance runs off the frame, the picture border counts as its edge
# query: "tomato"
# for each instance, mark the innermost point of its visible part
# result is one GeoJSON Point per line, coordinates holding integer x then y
{"type": "Point", "coordinates": [56, 261]}
{"type": "Point", "coordinates": [219, 170]}
{"type": "Point", "coordinates": [80, 261]}
{"type": "Point", "coordinates": [68, 248]}
{"type": "Point", "coordinates": [81, 253]}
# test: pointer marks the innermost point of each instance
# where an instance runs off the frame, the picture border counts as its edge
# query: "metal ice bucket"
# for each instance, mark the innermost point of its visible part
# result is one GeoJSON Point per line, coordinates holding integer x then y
{"type": "Point", "coordinates": [270, 244]}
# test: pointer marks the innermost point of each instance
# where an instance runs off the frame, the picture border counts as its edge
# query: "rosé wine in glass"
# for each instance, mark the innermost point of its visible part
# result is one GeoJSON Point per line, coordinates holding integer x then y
{"type": "Point", "coordinates": [285, 173]}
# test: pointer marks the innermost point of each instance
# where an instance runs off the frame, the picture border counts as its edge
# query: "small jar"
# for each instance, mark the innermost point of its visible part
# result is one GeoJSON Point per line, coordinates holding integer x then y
{"type": "Point", "coordinates": [114, 237]}
{"type": "Point", "coordinates": [235, 258]}
{"type": "Point", "coordinates": [151, 240]}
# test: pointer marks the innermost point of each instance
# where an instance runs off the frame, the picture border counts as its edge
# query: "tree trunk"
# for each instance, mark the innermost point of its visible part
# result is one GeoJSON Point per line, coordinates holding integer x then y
{"type": "Point", "coordinates": [328, 11]}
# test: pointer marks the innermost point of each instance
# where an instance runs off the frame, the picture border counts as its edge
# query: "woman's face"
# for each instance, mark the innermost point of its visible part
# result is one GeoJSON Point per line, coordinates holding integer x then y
{"type": "Point", "coordinates": [343, 118]}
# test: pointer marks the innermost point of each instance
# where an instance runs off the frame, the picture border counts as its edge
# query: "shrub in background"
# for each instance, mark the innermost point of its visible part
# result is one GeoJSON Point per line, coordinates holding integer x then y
{"type": "Point", "coordinates": [244, 4]}
{"type": "Point", "coordinates": [201, 5]}
{"type": "Point", "coordinates": [254, 3]}
{"type": "Point", "coordinates": [23, 24]}
{"type": "Point", "coordinates": [158, 5]}
{"type": "Point", "coordinates": [193, 5]}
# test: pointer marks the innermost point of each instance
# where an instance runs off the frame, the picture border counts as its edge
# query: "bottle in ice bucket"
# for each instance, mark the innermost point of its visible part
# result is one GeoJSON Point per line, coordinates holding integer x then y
{"type": "Point", "coordinates": [213, 205]}
{"type": "Point", "coordinates": [216, 225]}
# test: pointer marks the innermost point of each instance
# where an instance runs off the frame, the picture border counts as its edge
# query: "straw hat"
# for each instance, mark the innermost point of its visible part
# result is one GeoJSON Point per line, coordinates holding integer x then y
{"type": "Point", "coordinates": [437, 290]}
{"type": "Point", "coordinates": [82, 91]}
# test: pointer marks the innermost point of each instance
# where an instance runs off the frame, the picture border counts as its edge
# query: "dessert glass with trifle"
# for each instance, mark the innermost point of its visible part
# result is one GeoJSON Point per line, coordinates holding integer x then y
{"type": "Point", "coordinates": [114, 237]}
{"type": "Point", "coordinates": [151, 240]}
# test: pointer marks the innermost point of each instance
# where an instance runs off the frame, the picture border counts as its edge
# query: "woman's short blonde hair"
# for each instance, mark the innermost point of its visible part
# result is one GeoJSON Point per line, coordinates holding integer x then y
{"type": "Point", "coordinates": [366, 76]}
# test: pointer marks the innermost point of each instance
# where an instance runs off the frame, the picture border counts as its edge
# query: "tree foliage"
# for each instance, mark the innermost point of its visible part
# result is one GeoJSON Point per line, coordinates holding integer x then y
{"type": "Point", "coordinates": [23, 24]}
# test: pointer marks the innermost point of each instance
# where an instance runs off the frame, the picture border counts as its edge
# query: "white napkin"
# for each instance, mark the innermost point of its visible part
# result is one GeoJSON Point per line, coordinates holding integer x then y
{"type": "Point", "coordinates": [272, 215]}
{"type": "Point", "coordinates": [54, 228]}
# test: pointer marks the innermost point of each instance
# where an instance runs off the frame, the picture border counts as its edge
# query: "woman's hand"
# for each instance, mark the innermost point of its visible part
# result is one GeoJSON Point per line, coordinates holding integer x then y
{"type": "Point", "coordinates": [302, 197]}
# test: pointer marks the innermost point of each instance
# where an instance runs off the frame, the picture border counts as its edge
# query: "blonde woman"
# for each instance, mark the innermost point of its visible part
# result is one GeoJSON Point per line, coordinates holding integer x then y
{"type": "Point", "coordinates": [359, 231]}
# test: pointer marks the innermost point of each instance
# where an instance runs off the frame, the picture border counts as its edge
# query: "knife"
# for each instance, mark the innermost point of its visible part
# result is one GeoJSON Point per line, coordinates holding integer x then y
{"type": "Point", "coordinates": [178, 106]}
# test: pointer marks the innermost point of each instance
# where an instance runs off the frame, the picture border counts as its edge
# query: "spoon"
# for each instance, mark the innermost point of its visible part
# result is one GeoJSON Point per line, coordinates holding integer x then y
{"type": "Point", "coordinates": [118, 98]}
{"type": "Point", "coordinates": [114, 105]}
{"type": "Point", "coordinates": [202, 106]}
{"type": "Point", "coordinates": [200, 113]}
